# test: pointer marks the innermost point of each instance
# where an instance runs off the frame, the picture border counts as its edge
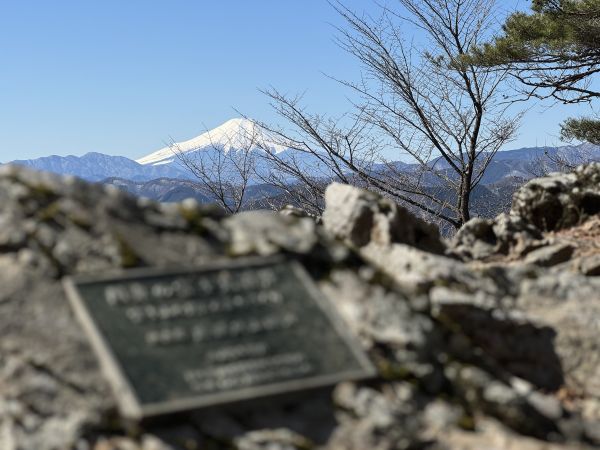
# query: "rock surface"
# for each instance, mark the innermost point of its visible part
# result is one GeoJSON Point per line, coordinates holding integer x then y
{"type": "Point", "coordinates": [560, 200]}
{"type": "Point", "coordinates": [475, 348]}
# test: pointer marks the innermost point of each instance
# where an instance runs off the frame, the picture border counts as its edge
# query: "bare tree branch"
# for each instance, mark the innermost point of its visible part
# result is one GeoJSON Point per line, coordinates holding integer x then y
{"type": "Point", "coordinates": [429, 104]}
{"type": "Point", "coordinates": [223, 171]}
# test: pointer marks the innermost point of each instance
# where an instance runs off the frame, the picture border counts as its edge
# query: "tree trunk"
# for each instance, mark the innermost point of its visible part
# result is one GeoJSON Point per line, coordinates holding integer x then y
{"type": "Point", "coordinates": [464, 197]}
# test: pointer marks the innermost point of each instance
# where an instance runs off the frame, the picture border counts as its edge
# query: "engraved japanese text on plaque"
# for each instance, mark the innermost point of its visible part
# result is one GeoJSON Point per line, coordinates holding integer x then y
{"type": "Point", "coordinates": [174, 341]}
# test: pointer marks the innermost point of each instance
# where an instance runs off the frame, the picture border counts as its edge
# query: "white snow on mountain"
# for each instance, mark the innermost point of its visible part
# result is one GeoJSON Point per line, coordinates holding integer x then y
{"type": "Point", "coordinates": [236, 134]}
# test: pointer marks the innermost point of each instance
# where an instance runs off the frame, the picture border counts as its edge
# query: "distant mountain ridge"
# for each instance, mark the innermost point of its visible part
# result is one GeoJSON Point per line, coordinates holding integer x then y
{"type": "Point", "coordinates": [240, 134]}
{"type": "Point", "coordinates": [98, 166]}
{"type": "Point", "coordinates": [167, 190]}
{"type": "Point", "coordinates": [522, 162]}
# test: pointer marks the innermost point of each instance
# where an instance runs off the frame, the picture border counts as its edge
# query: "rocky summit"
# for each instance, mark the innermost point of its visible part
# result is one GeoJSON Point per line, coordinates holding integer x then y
{"type": "Point", "coordinates": [491, 340]}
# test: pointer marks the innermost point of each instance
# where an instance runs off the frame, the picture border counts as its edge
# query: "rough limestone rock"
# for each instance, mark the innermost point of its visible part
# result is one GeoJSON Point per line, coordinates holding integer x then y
{"type": "Point", "coordinates": [559, 200]}
{"type": "Point", "coordinates": [550, 255]}
{"type": "Point", "coordinates": [537, 323]}
{"type": "Point", "coordinates": [360, 217]}
{"type": "Point", "coordinates": [550, 203]}
{"type": "Point", "coordinates": [470, 354]}
{"type": "Point", "coordinates": [484, 238]}
{"type": "Point", "coordinates": [590, 265]}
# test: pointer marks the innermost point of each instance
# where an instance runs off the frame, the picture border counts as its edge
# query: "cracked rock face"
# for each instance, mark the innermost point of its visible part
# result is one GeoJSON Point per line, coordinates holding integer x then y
{"type": "Point", "coordinates": [474, 352]}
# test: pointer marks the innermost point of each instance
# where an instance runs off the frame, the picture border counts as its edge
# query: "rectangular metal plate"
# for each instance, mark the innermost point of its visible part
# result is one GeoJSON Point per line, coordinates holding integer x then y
{"type": "Point", "coordinates": [174, 341]}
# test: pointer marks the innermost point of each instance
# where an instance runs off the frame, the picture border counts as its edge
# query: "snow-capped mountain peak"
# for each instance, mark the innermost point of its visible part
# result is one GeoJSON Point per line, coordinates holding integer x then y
{"type": "Point", "coordinates": [236, 134]}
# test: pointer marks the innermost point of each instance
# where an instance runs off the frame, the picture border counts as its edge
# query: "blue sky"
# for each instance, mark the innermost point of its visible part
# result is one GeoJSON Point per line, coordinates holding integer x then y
{"type": "Point", "coordinates": [123, 77]}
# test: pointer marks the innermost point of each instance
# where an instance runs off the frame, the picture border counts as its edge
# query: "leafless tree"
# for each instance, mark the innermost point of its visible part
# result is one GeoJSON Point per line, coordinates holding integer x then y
{"type": "Point", "coordinates": [224, 172]}
{"type": "Point", "coordinates": [427, 102]}
{"type": "Point", "coordinates": [303, 174]}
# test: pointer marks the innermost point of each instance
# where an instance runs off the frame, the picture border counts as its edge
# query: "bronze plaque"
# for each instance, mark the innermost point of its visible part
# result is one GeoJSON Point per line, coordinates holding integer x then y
{"type": "Point", "coordinates": [172, 341]}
